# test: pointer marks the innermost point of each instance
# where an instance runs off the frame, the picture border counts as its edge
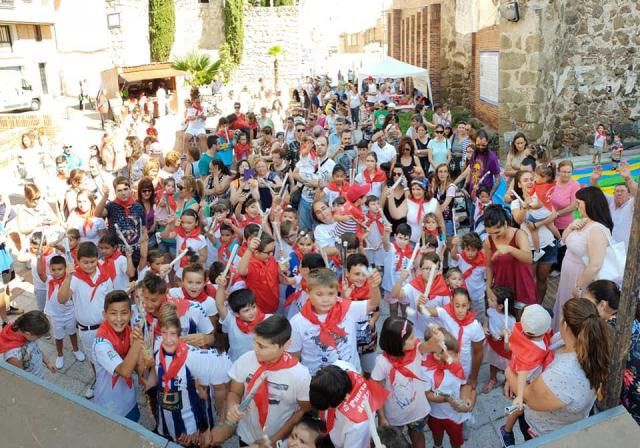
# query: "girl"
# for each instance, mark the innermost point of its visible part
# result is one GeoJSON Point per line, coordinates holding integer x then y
{"type": "Point", "coordinates": [398, 370]}
{"type": "Point", "coordinates": [252, 214]}
{"type": "Point", "coordinates": [188, 236]}
{"type": "Point", "coordinates": [91, 227]}
{"type": "Point", "coordinates": [262, 272]}
{"type": "Point", "coordinates": [496, 350]}
{"type": "Point", "coordinates": [241, 149]}
{"type": "Point", "coordinates": [19, 346]}
{"type": "Point", "coordinates": [372, 176]}
{"type": "Point", "coordinates": [430, 227]}
{"type": "Point", "coordinates": [540, 206]}
{"type": "Point", "coordinates": [444, 190]}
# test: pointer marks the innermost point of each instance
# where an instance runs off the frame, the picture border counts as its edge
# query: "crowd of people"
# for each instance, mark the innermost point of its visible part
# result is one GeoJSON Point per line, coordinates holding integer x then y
{"type": "Point", "coordinates": [240, 277]}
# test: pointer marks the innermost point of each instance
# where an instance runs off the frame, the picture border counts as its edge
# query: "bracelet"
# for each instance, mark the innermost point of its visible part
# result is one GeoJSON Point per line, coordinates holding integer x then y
{"type": "Point", "coordinates": [228, 424]}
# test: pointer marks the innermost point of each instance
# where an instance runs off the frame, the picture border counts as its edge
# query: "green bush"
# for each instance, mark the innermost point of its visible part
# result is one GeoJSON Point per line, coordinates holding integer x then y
{"type": "Point", "coordinates": [226, 66]}
{"type": "Point", "coordinates": [277, 2]}
{"type": "Point", "coordinates": [162, 29]}
{"type": "Point", "coordinates": [234, 28]}
{"type": "Point", "coordinates": [460, 115]}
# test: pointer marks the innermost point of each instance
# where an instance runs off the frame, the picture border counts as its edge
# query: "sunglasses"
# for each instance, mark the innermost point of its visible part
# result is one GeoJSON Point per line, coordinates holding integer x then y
{"type": "Point", "coordinates": [67, 147]}
{"type": "Point", "coordinates": [180, 187]}
{"type": "Point", "coordinates": [439, 132]}
{"type": "Point", "coordinates": [299, 130]}
{"type": "Point", "coordinates": [146, 190]}
{"type": "Point", "coordinates": [396, 174]}
{"type": "Point", "coordinates": [481, 146]}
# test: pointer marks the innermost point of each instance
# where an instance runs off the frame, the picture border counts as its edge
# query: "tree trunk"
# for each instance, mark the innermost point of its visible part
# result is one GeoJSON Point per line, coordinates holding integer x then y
{"type": "Point", "coordinates": [275, 74]}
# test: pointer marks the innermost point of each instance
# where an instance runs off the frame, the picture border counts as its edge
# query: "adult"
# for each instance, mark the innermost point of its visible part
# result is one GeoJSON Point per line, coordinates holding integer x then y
{"type": "Point", "coordinates": [384, 151]}
{"type": "Point", "coordinates": [76, 183]}
{"type": "Point", "coordinates": [208, 151]}
{"type": "Point", "coordinates": [517, 153]}
{"type": "Point", "coordinates": [218, 182]}
{"type": "Point", "coordinates": [563, 199]}
{"type": "Point", "coordinates": [566, 390]}
{"type": "Point", "coordinates": [438, 149]}
{"type": "Point", "coordinates": [289, 131]}
{"type": "Point", "coordinates": [147, 198]}
{"type": "Point", "coordinates": [102, 104]}
{"type": "Point", "coordinates": [264, 120]}
{"type": "Point", "coordinates": [396, 196]}
{"type": "Point", "coordinates": [421, 142]}
{"type": "Point", "coordinates": [268, 181]}
{"type": "Point", "coordinates": [459, 144]}
{"type": "Point", "coordinates": [243, 185]}
{"type": "Point", "coordinates": [34, 213]}
{"type": "Point", "coordinates": [605, 295]}
{"type": "Point", "coordinates": [412, 130]}
{"type": "Point", "coordinates": [630, 396]}
{"type": "Point", "coordinates": [622, 202]}
{"type": "Point", "coordinates": [354, 103]}
{"type": "Point", "coordinates": [484, 167]}
{"type": "Point", "coordinates": [444, 190]}
{"type": "Point", "coordinates": [83, 218]}
{"type": "Point", "coordinates": [325, 229]}
{"type": "Point", "coordinates": [586, 238]}
{"type": "Point", "coordinates": [419, 203]}
{"type": "Point", "coordinates": [293, 149]}
{"type": "Point", "coordinates": [26, 159]}
{"type": "Point", "coordinates": [508, 257]}
{"type": "Point", "coordinates": [96, 179]}
{"type": "Point", "coordinates": [523, 186]}
{"type": "Point", "coordinates": [407, 159]}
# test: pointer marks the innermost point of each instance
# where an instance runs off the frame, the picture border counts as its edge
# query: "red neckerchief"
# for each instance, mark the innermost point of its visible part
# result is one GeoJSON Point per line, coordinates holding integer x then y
{"type": "Point", "coordinates": [201, 297]}
{"type": "Point", "coordinates": [83, 276]}
{"type": "Point", "coordinates": [46, 251]}
{"type": "Point", "coordinates": [434, 232]}
{"type": "Point", "coordinates": [601, 133]}
{"type": "Point", "coordinates": [193, 235]}
{"type": "Point", "coordinates": [438, 288]}
{"type": "Point", "coordinates": [466, 320]}
{"type": "Point", "coordinates": [340, 189]}
{"type": "Point", "coordinates": [211, 289]}
{"type": "Point", "coordinates": [10, 339]}
{"type": "Point", "coordinates": [74, 255]}
{"type": "Point", "coordinates": [264, 281]}
{"type": "Point", "coordinates": [354, 211]}
{"type": "Point", "coordinates": [298, 252]}
{"type": "Point", "coordinates": [171, 202]}
{"type": "Point", "coordinates": [296, 294]}
{"type": "Point", "coordinates": [223, 251]}
{"type": "Point", "coordinates": [498, 346]}
{"type": "Point", "coordinates": [400, 364]}
{"type": "Point", "coordinates": [353, 405]}
{"type": "Point", "coordinates": [54, 284]}
{"type": "Point", "coordinates": [431, 363]}
{"type": "Point", "coordinates": [179, 358]}
{"type": "Point", "coordinates": [420, 204]}
{"type": "Point", "coordinates": [359, 293]}
{"type": "Point", "coordinates": [402, 254]}
{"type": "Point", "coordinates": [377, 176]}
{"type": "Point", "coordinates": [109, 263]}
{"type": "Point", "coordinates": [526, 354]}
{"type": "Point", "coordinates": [478, 262]}
{"type": "Point", "coordinates": [126, 206]}
{"type": "Point", "coordinates": [261, 394]}
{"type": "Point", "coordinates": [329, 329]}
{"type": "Point", "coordinates": [250, 327]}
{"type": "Point", "coordinates": [121, 344]}
{"type": "Point", "coordinates": [377, 219]}
{"type": "Point", "coordinates": [87, 220]}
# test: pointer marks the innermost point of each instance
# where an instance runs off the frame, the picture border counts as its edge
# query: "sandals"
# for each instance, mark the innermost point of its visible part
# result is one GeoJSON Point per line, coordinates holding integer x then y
{"type": "Point", "coordinates": [489, 386]}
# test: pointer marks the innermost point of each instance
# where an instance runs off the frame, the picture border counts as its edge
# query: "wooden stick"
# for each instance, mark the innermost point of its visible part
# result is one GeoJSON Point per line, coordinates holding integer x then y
{"type": "Point", "coordinates": [377, 443]}
{"type": "Point", "coordinates": [484, 176]}
{"type": "Point", "coordinates": [121, 236]}
{"type": "Point", "coordinates": [41, 241]}
{"type": "Point", "coordinates": [178, 258]}
{"type": "Point", "coordinates": [396, 183]}
{"type": "Point", "coordinates": [453, 219]}
{"type": "Point", "coordinates": [513, 192]}
{"type": "Point", "coordinates": [246, 402]}
{"type": "Point", "coordinates": [284, 185]}
{"type": "Point", "coordinates": [432, 276]}
{"type": "Point", "coordinates": [414, 254]}
{"type": "Point", "coordinates": [234, 251]}
{"type": "Point", "coordinates": [506, 326]}
{"type": "Point", "coordinates": [265, 216]}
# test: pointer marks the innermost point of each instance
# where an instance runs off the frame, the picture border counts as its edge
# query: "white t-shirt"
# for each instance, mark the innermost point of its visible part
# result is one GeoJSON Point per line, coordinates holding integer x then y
{"type": "Point", "coordinates": [476, 284]}
{"type": "Point", "coordinates": [122, 278]}
{"type": "Point", "coordinates": [31, 357]}
{"type": "Point", "coordinates": [88, 310]}
{"type": "Point", "coordinates": [239, 342]}
{"type": "Point", "coordinates": [209, 304]}
{"type": "Point", "coordinates": [193, 243]}
{"type": "Point", "coordinates": [53, 308]}
{"type": "Point", "coordinates": [544, 235]}
{"type": "Point", "coordinates": [286, 388]}
{"type": "Point", "coordinates": [472, 332]}
{"type": "Point", "coordinates": [450, 385]}
{"type": "Point", "coordinates": [347, 434]}
{"type": "Point", "coordinates": [375, 188]}
{"type": "Point", "coordinates": [314, 355]}
{"type": "Point", "coordinates": [622, 218]}
{"type": "Point", "coordinates": [496, 323]}
{"type": "Point", "coordinates": [90, 233]}
{"type": "Point", "coordinates": [414, 217]}
{"type": "Point", "coordinates": [385, 154]}
{"type": "Point", "coordinates": [407, 401]}
{"type": "Point", "coordinates": [118, 399]}
{"type": "Point", "coordinates": [419, 320]}
{"type": "Point", "coordinates": [37, 282]}
{"type": "Point", "coordinates": [391, 275]}
{"type": "Point", "coordinates": [325, 235]}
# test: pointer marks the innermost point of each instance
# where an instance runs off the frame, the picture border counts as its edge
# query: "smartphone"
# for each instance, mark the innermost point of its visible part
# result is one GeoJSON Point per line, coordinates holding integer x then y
{"type": "Point", "coordinates": [349, 147]}
{"type": "Point", "coordinates": [249, 173]}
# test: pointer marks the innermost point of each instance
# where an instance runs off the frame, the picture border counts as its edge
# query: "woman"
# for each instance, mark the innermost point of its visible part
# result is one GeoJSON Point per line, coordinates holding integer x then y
{"type": "Point", "coordinates": [354, 103]}
{"type": "Point", "coordinates": [566, 390]}
{"type": "Point", "coordinates": [152, 170]}
{"type": "Point", "coordinates": [76, 183]}
{"type": "Point", "coordinates": [517, 152]}
{"type": "Point", "coordinates": [264, 120]}
{"type": "Point", "coordinates": [392, 128]}
{"type": "Point", "coordinates": [444, 190]}
{"type": "Point", "coordinates": [563, 198]}
{"type": "Point", "coordinates": [190, 193]}
{"type": "Point", "coordinates": [419, 202]}
{"type": "Point", "coordinates": [91, 227]}
{"type": "Point", "coordinates": [372, 176]}
{"type": "Point", "coordinates": [508, 256]}
{"type": "Point", "coordinates": [586, 238]}
{"type": "Point", "coordinates": [243, 186]}
{"type": "Point", "coordinates": [630, 396]}
{"type": "Point", "coordinates": [218, 181]}
{"type": "Point", "coordinates": [523, 185]}
{"type": "Point", "coordinates": [438, 149]}
{"type": "Point", "coordinates": [605, 295]}
{"type": "Point", "coordinates": [407, 159]}
{"type": "Point", "coordinates": [421, 143]}
{"type": "Point", "coordinates": [268, 181]}
{"type": "Point", "coordinates": [416, 120]}
{"type": "Point", "coordinates": [396, 196]}
{"type": "Point", "coordinates": [147, 198]}
{"type": "Point", "coordinates": [33, 214]}
{"type": "Point", "coordinates": [325, 231]}
{"type": "Point", "coordinates": [135, 160]}
{"type": "Point", "coordinates": [27, 159]}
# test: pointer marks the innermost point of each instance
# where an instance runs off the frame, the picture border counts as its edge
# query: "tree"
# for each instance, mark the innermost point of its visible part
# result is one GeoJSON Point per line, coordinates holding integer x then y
{"type": "Point", "coordinates": [226, 63]}
{"type": "Point", "coordinates": [162, 29]}
{"type": "Point", "coordinates": [200, 68]}
{"type": "Point", "coordinates": [234, 28]}
{"type": "Point", "coordinates": [275, 52]}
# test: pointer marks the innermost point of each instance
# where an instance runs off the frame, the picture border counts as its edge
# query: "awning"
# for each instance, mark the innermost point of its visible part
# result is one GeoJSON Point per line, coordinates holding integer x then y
{"type": "Point", "coordinates": [389, 67]}
{"type": "Point", "coordinates": [149, 71]}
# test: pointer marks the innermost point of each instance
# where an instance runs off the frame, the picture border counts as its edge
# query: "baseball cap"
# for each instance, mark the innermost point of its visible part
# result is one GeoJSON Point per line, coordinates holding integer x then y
{"type": "Point", "coordinates": [356, 191]}
{"type": "Point", "coordinates": [535, 320]}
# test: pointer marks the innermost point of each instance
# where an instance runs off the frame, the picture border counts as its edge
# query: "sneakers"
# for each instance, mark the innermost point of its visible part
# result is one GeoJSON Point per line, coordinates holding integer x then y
{"type": "Point", "coordinates": [507, 438]}
{"type": "Point", "coordinates": [59, 362]}
{"type": "Point", "coordinates": [554, 274]}
{"type": "Point", "coordinates": [88, 394]}
{"type": "Point", "coordinates": [538, 255]}
{"type": "Point", "coordinates": [79, 356]}
{"type": "Point", "coordinates": [561, 243]}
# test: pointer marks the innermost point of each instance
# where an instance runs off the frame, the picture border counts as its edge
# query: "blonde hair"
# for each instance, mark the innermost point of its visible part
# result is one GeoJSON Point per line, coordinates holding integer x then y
{"type": "Point", "coordinates": [168, 316]}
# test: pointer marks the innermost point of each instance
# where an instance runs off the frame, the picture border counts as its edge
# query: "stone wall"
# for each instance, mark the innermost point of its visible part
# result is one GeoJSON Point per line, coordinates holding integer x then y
{"type": "Point", "coordinates": [198, 26]}
{"type": "Point", "coordinates": [455, 76]}
{"type": "Point", "coordinates": [486, 39]}
{"type": "Point", "coordinates": [129, 44]}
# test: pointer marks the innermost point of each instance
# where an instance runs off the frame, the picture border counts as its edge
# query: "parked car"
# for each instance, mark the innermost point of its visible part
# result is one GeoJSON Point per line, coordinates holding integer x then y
{"type": "Point", "coordinates": [16, 93]}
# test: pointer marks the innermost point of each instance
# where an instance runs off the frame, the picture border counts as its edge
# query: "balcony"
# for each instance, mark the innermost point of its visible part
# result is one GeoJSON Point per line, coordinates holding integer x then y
{"type": "Point", "coordinates": [39, 12]}
{"type": "Point", "coordinates": [7, 4]}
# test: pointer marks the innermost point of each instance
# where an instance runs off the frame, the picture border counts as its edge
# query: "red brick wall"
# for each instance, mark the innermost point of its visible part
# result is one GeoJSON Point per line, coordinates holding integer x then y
{"type": "Point", "coordinates": [487, 39]}
{"type": "Point", "coordinates": [434, 50]}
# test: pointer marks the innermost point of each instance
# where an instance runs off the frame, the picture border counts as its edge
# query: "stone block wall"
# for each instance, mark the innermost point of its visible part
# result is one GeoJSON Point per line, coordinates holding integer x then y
{"type": "Point", "coordinates": [198, 26]}
{"type": "Point", "coordinates": [129, 44]}
{"type": "Point", "coordinates": [486, 39]}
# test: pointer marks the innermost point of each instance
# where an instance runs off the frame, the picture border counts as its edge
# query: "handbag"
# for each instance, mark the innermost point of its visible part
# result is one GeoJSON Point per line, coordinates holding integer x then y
{"type": "Point", "coordinates": [615, 258]}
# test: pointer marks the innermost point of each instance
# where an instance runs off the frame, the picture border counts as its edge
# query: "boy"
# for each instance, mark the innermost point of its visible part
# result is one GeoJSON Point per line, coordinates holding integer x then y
{"type": "Point", "coordinates": [119, 267]}
{"type": "Point", "coordinates": [88, 286]}
{"type": "Point", "coordinates": [337, 187]}
{"type": "Point", "coordinates": [375, 222]}
{"type": "Point", "coordinates": [599, 143]}
{"type": "Point", "coordinates": [290, 214]}
{"type": "Point", "coordinates": [193, 283]}
{"type": "Point", "coordinates": [451, 399]}
{"type": "Point", "coordinates": [223, 246]}
{"type": "Point", "coordinates": [349, 217]}
{"type": "Point", "coordinates": [481, 198]}
{"type": "Point", "coordinates": [262, 273]}
{"type": "Point", "coordinates": [40, 255]}
{"type": "Point", "coordinates": [616, 150]}
{"type": "Point", "coordinates": [310, 263]}
{"type": "Point", "coordinates": [117, 349]}
{"type": "Point", "coordinates": [63, 322]}
{"type": "Point", "coordinates": [396, 259]}
{"type": "Point", "coordinates": [278, 382]}
{"type": "Point", "coordinates": [471, 261]}
{"type": "Point", "coordinates": [325, 330]}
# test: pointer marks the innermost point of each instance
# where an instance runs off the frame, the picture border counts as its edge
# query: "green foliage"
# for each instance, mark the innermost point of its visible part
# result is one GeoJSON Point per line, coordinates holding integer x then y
{"type": "Point", "coordinates": [404, 121]}
{"type": "Point", "coordinates": [200, 68]}
{"type": "Point", "coordinates": [234, 28]}
{"type": "Point", "coordinates": [226, 66]}
{"type": "Point", "coordinates": [162, 29]}
{"type": "Point", "coordinates": [276, 2]}
{"type": "Point", "coordinates": [275, 51]}
{"type": "Point", "coordinates": [460, 115]}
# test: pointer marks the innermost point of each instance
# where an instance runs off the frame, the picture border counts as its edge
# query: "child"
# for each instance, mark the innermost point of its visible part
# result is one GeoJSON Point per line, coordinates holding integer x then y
{"type": "Point", "coordinates": [540, 206]}
{"type": "Point", "coordinates": [19, 343]}
{"type": "Point", "coordinates": [222, 245]}
{"type": "Point", "coordinates": [240, 324]}
{"type": "Point", "coordinates": [290, 214]}
{"type": "Point", "coordinates": [262, 273]}
{"type": "Point", "coordinates": [338, 186]}
{"type": "Point", "coordinates": [375, 222]}
{"type": "Point", "coordinates": [305, 433]}
{"type": "Point", "coordinates": [397, 257]}
{"type": "Point", "coordinates": [192, 288]}
{"type": "Point", "coordinates": [6, 273]}
{"type": "Point", "coordinates": [398, 370]}
{"type": "Point", "coordinates": [117, 350]}
{"type": "Point", "coordinates": [151, 130]}
{"type": "Point", "coordinates": [616, 150]}
{"type": "Point", "coordinates": [451, 399]}
{"type": "Point", "coordinates": [430, 226]}
{"type": "Point", "coordinates": [339, 394]}
{"type": "Point", "coordinates": [249, 212]}
{"type": "Point", "coordinates": [481, 199]}
{"type": "Point", "coordinates": [41, 253]}
{"type": "Point", "coordinates": [471, 261]}
{"type": "Point", "coordinates": [454, 279]}
{"type": "Point", "coordinates": [117, 266]}
{"type": "Point", "coordinates": [349, 217]}
{"type": "Point", "coordinates": [280, 385]}
{"type": "Point", "coordinates": [599, 143]}
{"type": "Point", "coordinates": [372, 176]}
{"type": "Point", "coordinates": [530, 355]}
{"type": "Point", "coordinates": [296, 300]}
{"type": "Point", "coordinates": [188, 236]}
{"type": "Point", "coordinates": [358, 287]}
{"type": "Point", "coordinates": [61, 316]}
{"type": "Point", "coordinates": [241, 148]}
{"type": "Point", "coordinates": [304, 244]}
{"type": "Point", "coordinates": [461, 322]}
{"type": "Point", "coordinates": [496, 351]}
{"type": "Point", "coordinates": [439, 295]}
{"type": "Point", "coordinates": [325, 329]}
{"type": "Point", "coordinates": [73, 236]}
{"type": "Point", "coordinates": [154, 262]}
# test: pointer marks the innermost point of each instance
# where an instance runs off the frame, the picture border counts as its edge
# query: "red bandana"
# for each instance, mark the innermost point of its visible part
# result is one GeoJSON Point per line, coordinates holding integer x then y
{"type": "Point", "coordinates": [466, 320]}
{"type": "Point", "coordinates": [438, 288]}
{"type": "Point", "coordinates": [261, 397]}
{"type": "Point", "coordinates": [54, 284]}
{"type": "Point", "coordinates": [223, 251]}
{"type": "Point", "coordinates": [296, 294]}
{"type": "Point", "coordinates": [329, 329]}
{"type": "Point", "coordinates": [400, 364]}
{"type": "Point", "coordinates": [478, 262]}
{"type": "Point", "coordinates": [402, 254]}
{"type": "Point", "coordinates": [46, 251]}
{"type": "Point", "coordinates": [340, 189]}
{"type": "Point", "coordinates": [250, 327]}
{"type": "Point", "coordinates": [420, 204]}
{"type": "Point", "coordinates": [179, 358]}
{"type": "Point", "coordinates": [83, 276]}
{"type": "Point", "coordinates": [377, 219]}
{"type": "Point", "coordinates": [377, 176]}
{"type": "Point", "coordinates": [360, 292]}
{"type": "Point", "coordinates": [109, 264]}
{"type": "Point", "coordinates": [526, 354]}
{"type": "Point", "coordinates": [498, 346]}
{"type": "Point", "coordinates": [10, 339]}
{"type": "Point", "coordinates": [264, 282]}
{"type": "Point", "coordinates": [87, 221]}
{"type": "Point", "coordinates": [201, 297]}
{"type": "Point", "coordinates": [431, 363]}
{"type": "Point", "coordinates": [434, 232]}
{"type": "Point", "coordinates": [193, 235]}
{"type": "Point", "coordinates": [126, 205]}
{"type": "Point", "coordinates": [121, 343]}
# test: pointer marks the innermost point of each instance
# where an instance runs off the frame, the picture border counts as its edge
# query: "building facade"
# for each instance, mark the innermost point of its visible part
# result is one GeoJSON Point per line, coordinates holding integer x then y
{"type": "Point", "coordinates": [371, 40]}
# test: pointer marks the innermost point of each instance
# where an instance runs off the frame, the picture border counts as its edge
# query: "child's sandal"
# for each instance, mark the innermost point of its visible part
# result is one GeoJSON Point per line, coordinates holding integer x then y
{"type": "Point", "coordinates": [489, 386]}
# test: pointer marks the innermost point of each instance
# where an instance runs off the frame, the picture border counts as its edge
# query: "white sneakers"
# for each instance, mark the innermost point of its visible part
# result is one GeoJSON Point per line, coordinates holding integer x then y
{"type": "Point", "coordinates": [60, 359]}
{"type": "Point", "coordinates": [59, 362]}
{"type": "Point", "coordinates": [538, 254]}
{"type": "Point", "coordinates": [79, 356]}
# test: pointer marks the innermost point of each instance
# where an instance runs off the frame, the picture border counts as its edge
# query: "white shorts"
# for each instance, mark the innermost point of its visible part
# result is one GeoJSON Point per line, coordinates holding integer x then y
{"type": "Point", "coordinates": [62, 326]}
{"type": "Point", "coordinates": [195, 131]}
{"type": "Point", "coordinates": [87, 338]}
{"type": "Point", "coordinates": [393, 300]}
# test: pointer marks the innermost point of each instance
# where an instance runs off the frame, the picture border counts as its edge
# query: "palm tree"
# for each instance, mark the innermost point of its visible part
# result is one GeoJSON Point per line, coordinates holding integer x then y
{"type": "Point", "coordinates": [200, 69]}
{"type": "Point", "coordinates": [275, 52]}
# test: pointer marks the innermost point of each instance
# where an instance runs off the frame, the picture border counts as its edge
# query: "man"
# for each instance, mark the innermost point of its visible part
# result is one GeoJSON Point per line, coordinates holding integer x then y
{"type": "Point", "coordinates": [484, 167]}
{"type": "Point", "coordinates": [458, 146]}
{"type": "Point", "coordinates": [73, 161]}
{"type": "Point", "coordinates": [621, 203]}
{"type": "Point", "coordinates": [293, 148]}
{"type": "Point", "coordinates": [380, 114]}
{"type": "Point", "coordinates": [208, 149]}
{"type": "Point", "coordinates": [334, 137]}
{"type": "Point", "coordinates": [344, 152]}
{"type": "Point", "coordinates": [289, 131]}
{"type": "Point", "coordinates": [383, 150]}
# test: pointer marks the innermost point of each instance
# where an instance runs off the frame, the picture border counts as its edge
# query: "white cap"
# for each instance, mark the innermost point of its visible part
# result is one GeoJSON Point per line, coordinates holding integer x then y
{"type": "Point", "coordinates": [535, 320]}
{"type": "Point", "coordinates": [391, 106]}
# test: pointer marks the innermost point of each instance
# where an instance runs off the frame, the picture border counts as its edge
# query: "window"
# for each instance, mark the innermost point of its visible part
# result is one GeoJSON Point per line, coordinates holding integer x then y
{"type": "Point", "coordinates": [7, 4]}
{"type": "Point", "coordinates": [43, 77]}
{"type": "Point", "coordinates": [5, 36]}
{"type": "Point", "coordinates": [38, 32]}
{"type": "Point", "coordinates": [204, 1]}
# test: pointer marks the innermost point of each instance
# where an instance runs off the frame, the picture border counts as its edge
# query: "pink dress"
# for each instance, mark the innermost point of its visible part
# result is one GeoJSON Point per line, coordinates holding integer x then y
{"type": "Point", "coordinates": [509, 272]}
{"type": "Point", "coordinates": [572, 267]}
{"type": "Point", "coordinates": [561, 196]}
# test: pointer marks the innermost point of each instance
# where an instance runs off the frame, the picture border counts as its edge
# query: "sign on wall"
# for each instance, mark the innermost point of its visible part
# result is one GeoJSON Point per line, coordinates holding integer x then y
{"type": "Point", "coordinates": [489, 77]}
